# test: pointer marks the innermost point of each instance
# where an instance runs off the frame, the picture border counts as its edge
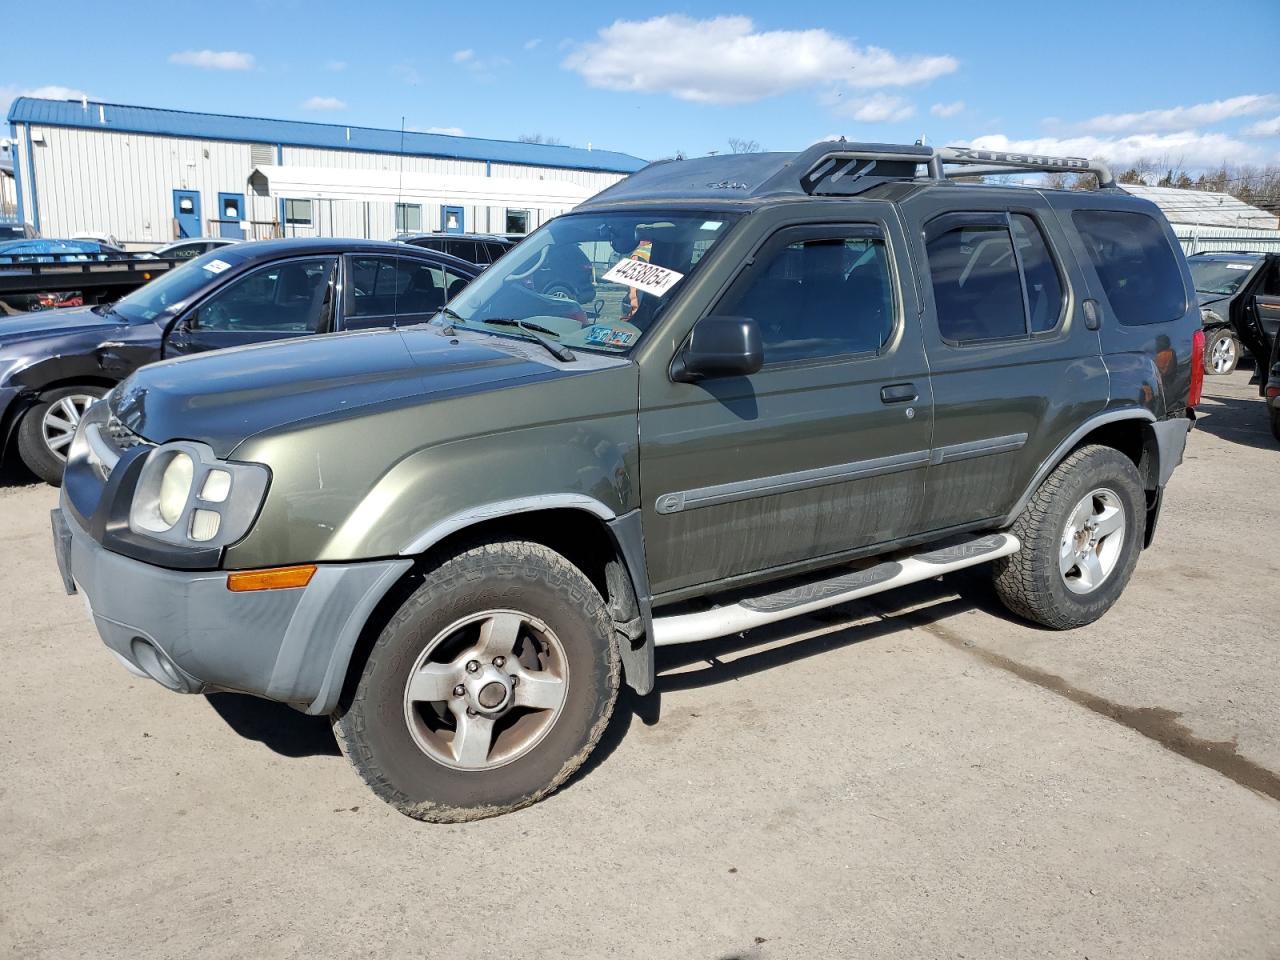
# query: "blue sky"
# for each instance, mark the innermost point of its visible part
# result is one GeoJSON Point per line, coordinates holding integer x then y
{"type": "Point", "coordinates": [1139, 78]}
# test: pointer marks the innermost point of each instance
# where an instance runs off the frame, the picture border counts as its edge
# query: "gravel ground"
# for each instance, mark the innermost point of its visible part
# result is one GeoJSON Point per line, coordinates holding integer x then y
{"type": "Point", "coordinates": [918, 776]}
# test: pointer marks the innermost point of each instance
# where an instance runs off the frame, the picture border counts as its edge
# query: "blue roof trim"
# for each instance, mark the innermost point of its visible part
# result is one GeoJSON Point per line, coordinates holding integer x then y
{"type": "Point", "coordinates": [123, 118]}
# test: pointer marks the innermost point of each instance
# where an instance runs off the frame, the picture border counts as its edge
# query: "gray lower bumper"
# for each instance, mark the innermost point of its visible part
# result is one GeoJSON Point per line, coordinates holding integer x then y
{"type": "Point", "coordinates": [186, 630]}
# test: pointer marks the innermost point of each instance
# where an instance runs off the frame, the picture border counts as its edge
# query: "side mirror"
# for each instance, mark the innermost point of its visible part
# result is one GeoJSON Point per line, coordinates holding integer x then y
{"type": "Point", "coordinates": [719, 347]}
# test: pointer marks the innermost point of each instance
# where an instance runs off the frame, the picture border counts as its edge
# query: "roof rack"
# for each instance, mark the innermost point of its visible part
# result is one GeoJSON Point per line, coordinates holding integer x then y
{"type": "Point", "coordinates": [838, 168]}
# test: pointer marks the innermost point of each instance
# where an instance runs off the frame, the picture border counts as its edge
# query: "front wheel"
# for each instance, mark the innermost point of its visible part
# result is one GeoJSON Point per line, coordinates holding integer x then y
{"type": "Point", "coordinates": [48, 427]}
{"type": "Point", "coordinates": [488, 689]}
{"type": "Point", "coordinates": [1081, 535]}
{"type": "Point", "coordinates": [1221, 352]}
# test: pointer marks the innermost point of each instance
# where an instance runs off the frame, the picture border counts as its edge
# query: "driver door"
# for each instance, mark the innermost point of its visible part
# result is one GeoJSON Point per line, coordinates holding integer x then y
{"type": "Point", "coordinates": [281, 300]}
{"type": "Point", "coordinates": [1265, 307]}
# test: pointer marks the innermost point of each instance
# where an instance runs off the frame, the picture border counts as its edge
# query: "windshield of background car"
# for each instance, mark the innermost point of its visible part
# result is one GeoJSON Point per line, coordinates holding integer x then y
{"type": "Point", "coordinates": [596, 281]}
{"type": "Point", "coordinates": [1219, 276]}
{"type": "Point", "coordinates": [176, 286]}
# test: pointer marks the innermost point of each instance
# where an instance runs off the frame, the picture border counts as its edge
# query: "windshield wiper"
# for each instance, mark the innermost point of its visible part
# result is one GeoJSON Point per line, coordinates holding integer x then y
{"type": "Point", "coordinates": [557, 350]}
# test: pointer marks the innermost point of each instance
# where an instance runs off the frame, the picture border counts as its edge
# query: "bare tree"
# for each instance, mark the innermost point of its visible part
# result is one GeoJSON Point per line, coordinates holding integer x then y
{"type": "Point", "coordinates": [539, 138]}
{"type": "Point", "coordinates": [739, 145]}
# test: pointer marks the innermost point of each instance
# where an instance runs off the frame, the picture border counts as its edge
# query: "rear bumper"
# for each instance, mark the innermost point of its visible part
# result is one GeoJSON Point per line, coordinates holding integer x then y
{"type": "Point", "coordinates": [187, 631]}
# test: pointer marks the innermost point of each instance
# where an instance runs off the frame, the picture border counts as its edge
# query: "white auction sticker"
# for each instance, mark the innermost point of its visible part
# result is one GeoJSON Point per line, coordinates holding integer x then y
{"type": "Point", "coordinates": [217, 266]}
{"type": "Point", "coordinates": [648, 277]}
{"type": "Point", "coordinates": [1239, 266]}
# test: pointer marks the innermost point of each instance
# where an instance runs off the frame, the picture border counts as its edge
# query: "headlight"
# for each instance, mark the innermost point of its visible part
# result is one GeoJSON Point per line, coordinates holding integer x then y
{"type": "Point", "coordinates": [187, 496]}
{"type": "Point", "coordinates": [175, 487]}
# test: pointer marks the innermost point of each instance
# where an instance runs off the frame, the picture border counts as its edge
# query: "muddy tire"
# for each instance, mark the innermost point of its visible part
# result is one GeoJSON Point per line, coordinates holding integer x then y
{"type": "Point", "coordinates": [44, 435]}
{"type": "Point", "coordinates": [1081, 536]}
{"type": "Point", "coordinates": [488, 688]}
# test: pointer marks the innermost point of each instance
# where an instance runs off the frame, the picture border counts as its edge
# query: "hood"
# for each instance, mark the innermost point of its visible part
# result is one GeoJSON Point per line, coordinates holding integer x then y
{"type": "Point", "coordinates": [1208, 299]}
{"type": "Point", "coordinates": [225, 397]}
{"type": "Point", "coordinates": [43, 323]}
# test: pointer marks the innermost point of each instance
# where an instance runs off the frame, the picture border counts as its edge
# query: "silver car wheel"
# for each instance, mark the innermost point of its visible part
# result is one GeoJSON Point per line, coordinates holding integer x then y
{"type": "Point", "coordinates": [58, 427]}
{"type": "Point", "coordinates": [1092, 541]}
{"type": "Point", "coordinates": [1223, 355]}
{"type": "Point", "coordinates": [486, 690]}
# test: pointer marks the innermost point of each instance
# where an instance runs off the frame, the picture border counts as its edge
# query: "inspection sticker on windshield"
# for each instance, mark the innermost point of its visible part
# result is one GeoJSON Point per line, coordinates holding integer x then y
{"type": "Point", "coordinates": [1239, 266]}
{"type": "Point", "coordinates": [217, 266]}
{"type": "Point", "coordinates": [648, 277]}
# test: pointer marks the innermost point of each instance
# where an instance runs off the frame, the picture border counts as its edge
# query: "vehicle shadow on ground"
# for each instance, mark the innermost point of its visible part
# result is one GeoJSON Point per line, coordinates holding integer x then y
{"type": "Point", "coordinates": [1237, 420]}
{"type": "Point", "coordinates": [13, 473]}
{"type": "Point", "coordinates": [793, 640]}
{"type": "Point", "coordinates": [278, 727]}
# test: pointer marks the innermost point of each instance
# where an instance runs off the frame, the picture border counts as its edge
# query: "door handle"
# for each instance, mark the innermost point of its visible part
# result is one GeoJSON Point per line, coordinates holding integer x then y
{"type": "Point", "coordinates": [899, 393]}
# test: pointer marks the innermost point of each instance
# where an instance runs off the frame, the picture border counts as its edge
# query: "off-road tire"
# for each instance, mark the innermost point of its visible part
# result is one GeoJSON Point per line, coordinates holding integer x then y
{"type": "Point", "coordinates": [518, 575]}
{"type": "Point", "coordinates": [1212, 339]}
{"type": "Point", "coordinates": [33, 450]}
{"type": "Point", "coordinates": [1029, 582]}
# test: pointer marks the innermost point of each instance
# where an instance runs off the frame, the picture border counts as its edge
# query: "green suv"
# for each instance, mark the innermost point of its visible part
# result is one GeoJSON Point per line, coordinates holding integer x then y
{"type": "Point", "coordinates": [800, 379]}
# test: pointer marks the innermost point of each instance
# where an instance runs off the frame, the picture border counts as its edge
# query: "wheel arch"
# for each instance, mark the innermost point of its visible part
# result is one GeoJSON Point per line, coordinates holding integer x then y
{"type": "Point", "coordinates": [30, 396]}
{"type": "Point", "coordinates": [606, 547]}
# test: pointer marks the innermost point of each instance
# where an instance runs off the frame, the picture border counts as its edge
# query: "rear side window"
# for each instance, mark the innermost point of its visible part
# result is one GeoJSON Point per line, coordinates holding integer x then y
{"type": "Point", "coordinates": [1044, 286]}
{"type": "Point", "coordinates": [1135, 265]}
{"type": "Point", "coordinates": [976, 287]}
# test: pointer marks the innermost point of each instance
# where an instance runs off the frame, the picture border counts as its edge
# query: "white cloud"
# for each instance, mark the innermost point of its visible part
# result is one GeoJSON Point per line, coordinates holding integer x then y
{"type": "Point", "coordinates": [449, 131]}
{"type": "Point", "coordinates": [1263, 128]}
{"type": "Point", "coordinates": [50, 92]}
{"type": "Point", "coordinates": [323, 103]}
{"type": "Point", "coordinates": [877, 108]}
{"type": "Point", "coordinates": [1181, 118]}
{"type": "Point", "coordinates": [726, 60]}
{"type": "Point", "coordinates": [213, 59]}
{"type": "Point", "coordinates": [336, 66]}
{"type": "Point", "coordinates": [947, 109]}
{"type": "Point", "coordinates": [462, 56]}
{"type": "Point", "coordinates": [531, 43]}
{"type": "Point", "coordinates": [1187, 148]}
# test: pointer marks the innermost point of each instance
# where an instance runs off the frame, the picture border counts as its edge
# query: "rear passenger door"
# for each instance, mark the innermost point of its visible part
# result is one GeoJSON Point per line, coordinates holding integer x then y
{"type": "Point", "coordinates": [1014, 366]}
{"type": "Point", "coordinates": [821, 452]}
{"type": "Point", "coordinates": [382, 291]}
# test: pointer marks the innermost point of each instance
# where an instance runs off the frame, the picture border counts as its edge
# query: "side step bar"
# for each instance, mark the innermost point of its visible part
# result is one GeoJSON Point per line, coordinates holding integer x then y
{"type": "Point", "coordinates": [829, 590]}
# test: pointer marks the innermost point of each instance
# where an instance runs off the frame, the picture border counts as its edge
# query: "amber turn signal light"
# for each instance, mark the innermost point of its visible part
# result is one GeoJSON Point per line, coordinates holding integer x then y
{"type": "Point", "coordinates": [276, 578]}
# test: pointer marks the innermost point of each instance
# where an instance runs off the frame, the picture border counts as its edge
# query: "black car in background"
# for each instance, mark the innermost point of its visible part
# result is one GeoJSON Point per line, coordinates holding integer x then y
{"type": "Point", "coordinates": [55, 364]}
{"type": "Point", "coordinates": [481, 249]}
{"type": "Point", "coordinates": [1239, 305]}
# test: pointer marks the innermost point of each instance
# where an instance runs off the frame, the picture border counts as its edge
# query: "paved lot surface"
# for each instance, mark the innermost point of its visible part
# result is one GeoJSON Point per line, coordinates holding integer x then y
{"type": "Point", "coordinates": [918, 777]}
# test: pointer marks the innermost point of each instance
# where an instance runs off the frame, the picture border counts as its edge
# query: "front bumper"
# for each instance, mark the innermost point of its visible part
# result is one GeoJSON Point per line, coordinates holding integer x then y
{"type": "Point", "coordinates": [187, 631]}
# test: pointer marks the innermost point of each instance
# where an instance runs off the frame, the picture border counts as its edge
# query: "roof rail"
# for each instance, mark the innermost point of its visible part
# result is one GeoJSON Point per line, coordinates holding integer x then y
{"type": "Point", "coordinates": [838, 168]}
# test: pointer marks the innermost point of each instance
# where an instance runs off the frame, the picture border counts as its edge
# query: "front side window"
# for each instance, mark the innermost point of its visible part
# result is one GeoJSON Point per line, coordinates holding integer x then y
{"type": "Point", "coordinates": [1135, 265]}
{"type": "Point", "coordinates": [1044, 285]}
{"type": "Point", "coordinates": [289, 297]}
{"type": "Point", "coordinates": [591, 280]}
{"type": "Point", "coordinates": [820, 296]}
{"type": "Point", "coordinates": [408, 217]}
{"type": "Point", "coordinates": [297, 213]}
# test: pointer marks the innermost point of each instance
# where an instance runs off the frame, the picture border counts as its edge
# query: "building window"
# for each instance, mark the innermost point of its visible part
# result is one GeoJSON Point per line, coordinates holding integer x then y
{"type": "Point", "coordinates": [297, 213]}
{"type": "Point", "coordinates": [517, 221]}
{"type": "Point", "coordinates": [408, 218]}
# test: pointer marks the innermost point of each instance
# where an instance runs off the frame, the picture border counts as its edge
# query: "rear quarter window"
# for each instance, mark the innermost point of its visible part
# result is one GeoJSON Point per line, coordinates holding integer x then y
{"type": "Point", "coordinates": [1136, 266]}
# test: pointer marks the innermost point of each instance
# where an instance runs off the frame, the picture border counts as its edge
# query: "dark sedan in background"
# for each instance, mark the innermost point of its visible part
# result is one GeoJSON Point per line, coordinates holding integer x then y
{"type": "Point", "coordinates": [55, 364]}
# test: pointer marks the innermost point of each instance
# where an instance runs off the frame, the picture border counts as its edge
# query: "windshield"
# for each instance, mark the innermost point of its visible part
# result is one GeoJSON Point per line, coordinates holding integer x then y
{"type": "Point", "coordinates": [590, 280]}
{"type": "Point", "coordinates": [1219, 276]}
{"type": "Point", "coordinates": [174, 287]}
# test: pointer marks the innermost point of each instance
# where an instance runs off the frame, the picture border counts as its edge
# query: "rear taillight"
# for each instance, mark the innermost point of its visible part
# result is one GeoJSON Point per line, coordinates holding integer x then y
{"type": "Point", "coordinates": [1273, 392]}
{"type": "Point", "coordinates": [1197, 368]}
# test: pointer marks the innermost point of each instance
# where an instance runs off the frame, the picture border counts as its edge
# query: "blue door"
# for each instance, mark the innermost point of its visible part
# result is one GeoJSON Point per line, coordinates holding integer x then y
{"type": "Point", "coordinates": [186, 211]}
{"type": "Point", "coordinates": [452, 220]}
{"type": "Point", "coordinates": [230, 213]}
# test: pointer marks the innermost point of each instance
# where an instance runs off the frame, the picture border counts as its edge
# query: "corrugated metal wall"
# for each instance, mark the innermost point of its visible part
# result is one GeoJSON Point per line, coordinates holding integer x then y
{"type": "Point", "coordinates": [122, 184]}
{"type": "Point", "coordinates": [1200, 239]}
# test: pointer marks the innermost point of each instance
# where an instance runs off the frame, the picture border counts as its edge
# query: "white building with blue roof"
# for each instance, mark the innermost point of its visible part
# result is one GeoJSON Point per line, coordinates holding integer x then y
{"type": "Point", "coordinates": [147, 176]}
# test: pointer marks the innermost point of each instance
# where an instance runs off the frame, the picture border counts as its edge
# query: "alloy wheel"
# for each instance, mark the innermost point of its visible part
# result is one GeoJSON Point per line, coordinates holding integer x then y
{"type": "Point", "coordinates": [58, 426]}
{"type": "Point", "coordinates": [1092, 541]}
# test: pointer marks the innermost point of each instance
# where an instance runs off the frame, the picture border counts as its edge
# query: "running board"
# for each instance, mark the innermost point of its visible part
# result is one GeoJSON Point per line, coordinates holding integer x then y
{"type": "Point", "coordinates": [829, 590]}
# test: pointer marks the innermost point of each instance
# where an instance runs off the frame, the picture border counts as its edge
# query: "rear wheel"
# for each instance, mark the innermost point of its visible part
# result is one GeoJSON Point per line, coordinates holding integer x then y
{"type": "Point", "coordinates": [488, 689]}
{"type": "Point", "coordinates": [1221, 352]}
{"type": "Point", "coordinates": [1081, 535]}
{"type": "Point", "coordinates": [48, 427]}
